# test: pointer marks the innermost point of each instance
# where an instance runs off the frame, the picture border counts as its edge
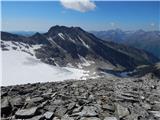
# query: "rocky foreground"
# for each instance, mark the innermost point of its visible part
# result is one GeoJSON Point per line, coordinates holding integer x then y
{"type": "Point", "coordinates": [101, 99]}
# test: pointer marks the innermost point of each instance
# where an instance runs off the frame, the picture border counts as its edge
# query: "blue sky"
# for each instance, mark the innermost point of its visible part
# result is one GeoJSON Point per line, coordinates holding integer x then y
{"type": "Point", "coordinates": [40, 16]}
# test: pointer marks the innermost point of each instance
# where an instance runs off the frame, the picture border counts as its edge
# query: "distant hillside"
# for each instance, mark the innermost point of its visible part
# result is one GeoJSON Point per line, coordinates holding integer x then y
{"type": "Point", "coordinates": [147, 40]}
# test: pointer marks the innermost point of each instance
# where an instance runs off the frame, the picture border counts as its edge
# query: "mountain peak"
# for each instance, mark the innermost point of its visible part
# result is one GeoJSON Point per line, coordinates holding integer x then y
{"type": "Point", "coordinates": [57, 28]}
{"type": "Point", "coordinates": [61, 29]}
{"type": "Point", "coordinates": [37, 34]}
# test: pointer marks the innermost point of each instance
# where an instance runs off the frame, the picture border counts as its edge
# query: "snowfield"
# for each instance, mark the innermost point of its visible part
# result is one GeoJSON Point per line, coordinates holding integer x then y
{"type": "Point", "coordinates": [19, 67]}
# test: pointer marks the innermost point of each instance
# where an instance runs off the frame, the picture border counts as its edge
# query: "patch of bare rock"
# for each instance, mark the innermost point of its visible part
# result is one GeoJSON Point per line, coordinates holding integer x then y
{"type": "Point", "coordinates": [101, 99]}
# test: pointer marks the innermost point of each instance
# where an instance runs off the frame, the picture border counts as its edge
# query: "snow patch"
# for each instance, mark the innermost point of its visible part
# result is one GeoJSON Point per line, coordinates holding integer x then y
{"type": "Point", "coordinates": [54, 43]}
{"type": "Point", "coordinates": [108, 75]}
{"type": "Point", "coordinates": [61, 35]}
{"type": "Point", "coordinates": [123, 74]}
{"type": "Point", "coordinates": [126, 73]}
{"type": "Point", "coordinates": [84, 62]}
{"type": "Point", "coordinates": [21, 68]}
{"type": "Point", "coordinates": [19, 46]}
{"type": "Point", "coordinates": [71, 39]}
{"type": "Point", "coordinates": [87, 46]}
{"type": "Point", "coordinates": [70, 65]}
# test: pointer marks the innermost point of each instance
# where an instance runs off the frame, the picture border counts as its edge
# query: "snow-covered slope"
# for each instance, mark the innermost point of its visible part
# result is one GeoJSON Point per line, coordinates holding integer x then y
{"type": "Point", "coordinates": [20, 66]}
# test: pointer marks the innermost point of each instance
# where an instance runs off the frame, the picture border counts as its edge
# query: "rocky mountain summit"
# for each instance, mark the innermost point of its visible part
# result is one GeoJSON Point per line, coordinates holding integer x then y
{"type": "Point", "coordinates": [93, 99]}
{"type": "Point", "coordinates": [73, 46]}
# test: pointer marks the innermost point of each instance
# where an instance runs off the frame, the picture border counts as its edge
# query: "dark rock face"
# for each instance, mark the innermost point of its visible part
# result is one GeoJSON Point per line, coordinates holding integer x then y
{"type": "Point", "coordinates": [153, 70]}
{"type": "Point", "coordinates": [6, 107]}
{"type": "Point", "coordinates": [101, 99]}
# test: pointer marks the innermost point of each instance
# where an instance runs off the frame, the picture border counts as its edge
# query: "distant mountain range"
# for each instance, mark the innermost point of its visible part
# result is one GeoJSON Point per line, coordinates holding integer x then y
{"type": "Point", "coordinates": [73, 46]}
{"type": "Point", "coordinates": [23, 33]}
{"type": "Point", "coordinates": [146, 40]}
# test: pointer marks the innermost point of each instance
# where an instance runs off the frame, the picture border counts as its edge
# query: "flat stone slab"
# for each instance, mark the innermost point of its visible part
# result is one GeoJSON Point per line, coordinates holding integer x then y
{"type": "Point", "coordinates": [48, 115]}
{"type": "Point", "coordinates": [110, 118]}
{"type": "Point", "coordinates": [121, 111]}
{"type": "Point", "coordinates": [90, 118]}
{"type": "Point", "coordinates": [88, 111]}
{"type": "Point", "coordinates": [26, 113]}
{"type": "Point", "coordinates": [66, 117]}
{"type": "Point", "coordinates": [156, 113]}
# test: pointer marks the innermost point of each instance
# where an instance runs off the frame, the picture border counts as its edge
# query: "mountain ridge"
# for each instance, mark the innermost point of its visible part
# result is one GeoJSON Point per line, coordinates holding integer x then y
{"type": "Point", "coordinates": [73, 45]}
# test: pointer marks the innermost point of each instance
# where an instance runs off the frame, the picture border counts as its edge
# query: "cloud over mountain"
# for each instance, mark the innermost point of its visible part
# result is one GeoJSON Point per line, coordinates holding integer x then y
{"type": "Point", "coordinates": [78, 5]}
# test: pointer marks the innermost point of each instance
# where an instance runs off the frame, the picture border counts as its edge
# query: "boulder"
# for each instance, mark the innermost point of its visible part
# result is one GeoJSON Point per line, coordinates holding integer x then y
{"type": "Point", "coordinates": [146, 106]}
{"type": "Point", "coordinates": [110, 118]}
{"type": "Point", "coordinates": [50, 108]}
{"type": "Point", "coordinates": [155, 113]}
{"type": "Point", "coordinates": [90, 118]}
{"type": "Point", "coordinates": [66, 117]}
{"type": "Point", "coordinates": [56, 118]}
{"type": "Point", "coordinates": [17, 102]}
{"type": "Point", "coordinates": [121, 111]}
{"type": "Point", "coordinates": [48, 115]}
{"type": "Point", "coordinates": [26, 113]}
{"type": "Point", "coordinates": [3, 94]}
{"type": "Point", "coordinates": [156, 106]}
{"type": "Point", "coordinates": [108, 107]}
{"type": "Point", "coordinates": [39, 117]}
{"type": "Point", "coordinates": [60, 111]}
{"type": "Point", "coordinates": [6, 107]}
{"type": "Point", "coordinates": [57, 102]}
{"type": "Point", "coordinates": [33, 102]}
{"type": "Point", "coordinates": [87, 111]}
{"type": "Point", "coordinates": [71, 106]}
{"type": "Point", "coordinates": [78, 109]}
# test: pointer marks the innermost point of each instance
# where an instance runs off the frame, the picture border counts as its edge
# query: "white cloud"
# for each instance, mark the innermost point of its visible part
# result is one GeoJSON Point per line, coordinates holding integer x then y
{"type": "Point", "coordinates": [79, 5]}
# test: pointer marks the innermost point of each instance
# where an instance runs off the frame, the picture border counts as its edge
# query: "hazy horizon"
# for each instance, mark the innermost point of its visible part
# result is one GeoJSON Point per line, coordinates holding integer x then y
{"type": "Point", "coordinates": [12, 31]}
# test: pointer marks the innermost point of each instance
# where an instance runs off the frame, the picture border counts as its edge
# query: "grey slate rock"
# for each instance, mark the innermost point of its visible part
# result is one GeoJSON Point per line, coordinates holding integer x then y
{"type": "Point", "coordinates": [60, 111]}
{"type": "Point", "coordinates": [121, 111]}
{"type": "Point", "coordinates": [90, 118]}
{"type": "Point", "coordinates": [87, 111]}
{"type": "Point", "coordinates": [66, 117]}
{"type": "Point", "coordinates": [39, 117]}
{"type": "Point", "coordinates": [56, 118]}
{"type": "Point", "coordinates": [35, 100]}
{"type": "Point", "coordinates": [26, 113]}
{"type": "Point", "coordinates": [110, 118]}
{"type": "Point", "coordinates": [17, 101]}
{"type": "Point", "coordinates": [108, 107]}
{"type": "Point", "coordinates": [6, 107]}
{"type": "Point", "coordinates": [71, 106]}
{"type": "Point", "coordinates": [155, 113]}
{"type": "Point", "coordinates": [48, 115]}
